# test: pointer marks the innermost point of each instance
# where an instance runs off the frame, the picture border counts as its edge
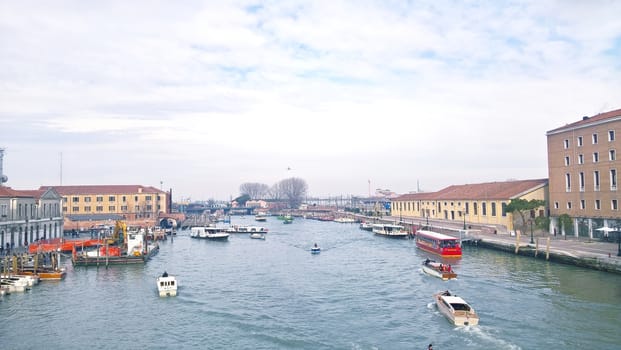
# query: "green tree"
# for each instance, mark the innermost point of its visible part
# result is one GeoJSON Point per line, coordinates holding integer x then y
{"type": "Point", "coordinates": [565, 224]}
{"type": "Point", "coordinates": [522, 207]}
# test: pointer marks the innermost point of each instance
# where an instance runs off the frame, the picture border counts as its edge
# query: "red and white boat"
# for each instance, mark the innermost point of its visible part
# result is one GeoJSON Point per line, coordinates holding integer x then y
{"type": "Point", "coordinates": [438, 243]}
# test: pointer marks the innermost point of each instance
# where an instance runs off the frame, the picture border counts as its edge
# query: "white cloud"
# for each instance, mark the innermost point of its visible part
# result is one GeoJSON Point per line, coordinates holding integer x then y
{"type": "Point", "coordinates": [441, 91]}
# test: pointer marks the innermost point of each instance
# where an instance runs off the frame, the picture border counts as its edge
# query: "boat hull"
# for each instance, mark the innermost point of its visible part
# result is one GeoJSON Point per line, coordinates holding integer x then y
{"type": "Point", "coordinates": [445, 276]}
{"type": "Point", "coordinates": [456, 317]}
{"type": "Point", "coordinates": [84, 260]}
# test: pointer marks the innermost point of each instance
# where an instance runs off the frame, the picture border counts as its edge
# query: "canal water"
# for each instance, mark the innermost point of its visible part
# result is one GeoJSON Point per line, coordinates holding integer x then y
{"type": "Point", "coordinates": [361, 292]}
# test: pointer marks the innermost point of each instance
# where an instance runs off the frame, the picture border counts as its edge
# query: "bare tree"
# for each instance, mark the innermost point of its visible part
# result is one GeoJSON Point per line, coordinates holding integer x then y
{"type": "Point", "coordinates": [293, 191]}
{"type": "Point", "coordinates": [254, 190]}
{"type": "Point", "coordinates": [274, 192]}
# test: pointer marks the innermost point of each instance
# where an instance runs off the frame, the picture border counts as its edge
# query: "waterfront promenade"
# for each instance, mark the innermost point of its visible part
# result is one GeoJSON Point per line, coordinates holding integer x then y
{"type": "Point", "coordinates": [580, 251]}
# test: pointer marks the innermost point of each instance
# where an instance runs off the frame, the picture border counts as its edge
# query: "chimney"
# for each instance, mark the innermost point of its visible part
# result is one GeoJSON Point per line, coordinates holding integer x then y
{"type": "Point", "coordinates": [3, 178]}
{"type": "Point", "coordinates": [585, 117]}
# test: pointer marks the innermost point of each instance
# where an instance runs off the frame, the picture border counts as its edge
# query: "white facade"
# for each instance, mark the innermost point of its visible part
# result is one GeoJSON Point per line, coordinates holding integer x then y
{"type": "Point", "coordinates": [28, 216]}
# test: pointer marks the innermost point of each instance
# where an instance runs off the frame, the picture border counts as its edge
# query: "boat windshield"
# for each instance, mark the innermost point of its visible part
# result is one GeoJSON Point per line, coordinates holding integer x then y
{"type": "Point", "coordinates": [460, 307]}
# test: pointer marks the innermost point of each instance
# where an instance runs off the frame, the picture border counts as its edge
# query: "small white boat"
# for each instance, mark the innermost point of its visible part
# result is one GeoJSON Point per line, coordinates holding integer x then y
{"type": "Point", "coordinates": [345, 220]}
{"type": "Point", "coordinates": [436, 269]}
{"type": "Point", "coordinates": [209, 232]}
{"type": "Point", "coordinates": [261, 217]}
{"type": "Point", "coordinates": [315, 249]}
{"type": "Point", "coordinates": [167, 285]}
{"type": "Point", "coordinates": [257, 235]}
{"type": "Point", "coordinates": [366, 226]}
{"type": "Point", "coordinates": [390, 230]}
{"type": "Point", "coordinates": [246, 229]}
{"type": "Point", "coordinates": [456, 309]}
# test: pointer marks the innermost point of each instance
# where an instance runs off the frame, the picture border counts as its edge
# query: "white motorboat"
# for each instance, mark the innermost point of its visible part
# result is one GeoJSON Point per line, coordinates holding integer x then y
{"type": "Point", "coordinates": [315, 249]}
{"type": "Point", "coordinates": [167, 285]}
{"type": "Point", "coordinates": [436, 269]}
{"type": "Point", "coordinates": [209, 232]}
{"type": "Point", "coordinates": [390, 230]}
{"type": "Point", "coordinates": [345, 220]}
{"type": "Point", "coordinates": [257, 235]}
{"type": "Point", "coordinates": [246, 229]}
{"type": "Point", "coordinates": [366, 226]}
{"type": "Point", "coordinates": [456, 309]}
{"type": "Point", "coordinates": [262, 217]}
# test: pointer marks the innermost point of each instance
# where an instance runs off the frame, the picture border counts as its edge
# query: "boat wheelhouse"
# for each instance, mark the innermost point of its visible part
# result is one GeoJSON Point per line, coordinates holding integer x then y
{"type": "Point", "coordinates": [438, 243]}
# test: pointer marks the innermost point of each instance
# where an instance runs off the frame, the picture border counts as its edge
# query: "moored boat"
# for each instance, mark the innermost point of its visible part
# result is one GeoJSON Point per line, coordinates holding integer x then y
{"type": "Point", "coordinates": [167, 285]}
{"type": "Point", "coordinates": [132, 248]}
{"type": "Point", "coordinates": [246, 229]}
{"type": "Point", "coordinates": [442, 271]}
{"type": "Point", "coordinates": [209, 232]}
{"type": "Point", "coordinates": [366, 226]}
{"type": "Point", "coordinates": [456, 309]}
{"type": "Point", "coordinates": [390, 230]}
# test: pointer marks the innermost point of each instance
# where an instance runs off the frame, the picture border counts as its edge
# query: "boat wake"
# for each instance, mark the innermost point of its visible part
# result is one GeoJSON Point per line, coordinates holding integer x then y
{"type": "Point", "coordinates": [487, 335]}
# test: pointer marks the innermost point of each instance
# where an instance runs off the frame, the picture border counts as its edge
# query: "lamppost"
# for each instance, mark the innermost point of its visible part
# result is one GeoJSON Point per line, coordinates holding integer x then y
{"type": "Point", "coordinates": [531, 231]}
{"type": "Point", "coordinates": [464, 214]}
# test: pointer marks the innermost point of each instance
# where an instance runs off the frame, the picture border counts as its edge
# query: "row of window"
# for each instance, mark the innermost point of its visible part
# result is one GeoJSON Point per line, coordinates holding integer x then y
{"type": "Point", "coordinates": [110, 199]}
{"type": "Point", "coordinates": [594, 139]}
{"type": "Point", "coordinates": [612, 155]}
{"type": "Point", "coordinates": [597, 204]}
{"type": "Point", "coordinates": [25, 211]}
{"type": "Point", "coordinates": [111, 209]}
{"type": "Point", "coordinates": [596, 182]}
{"type": "Point", "coordinates": [400, 206]}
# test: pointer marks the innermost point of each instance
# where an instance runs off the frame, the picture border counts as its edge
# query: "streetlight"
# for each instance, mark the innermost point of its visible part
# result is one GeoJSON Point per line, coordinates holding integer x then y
{"type": "Point", "coordinates": [531, 231]}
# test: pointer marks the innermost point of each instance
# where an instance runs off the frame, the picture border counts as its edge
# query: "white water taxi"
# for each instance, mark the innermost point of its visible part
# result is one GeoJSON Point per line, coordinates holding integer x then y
{"type": "Point", "coordinates": [209, 232]}
{"type": "Point", "coordinates": [167, 285]}
{"type": "Point", "coordinates": [257, 235]}
{"type": "Point", "coordinates": [390, 230]}
{"type": "Point", "coordinates": [455, 309]}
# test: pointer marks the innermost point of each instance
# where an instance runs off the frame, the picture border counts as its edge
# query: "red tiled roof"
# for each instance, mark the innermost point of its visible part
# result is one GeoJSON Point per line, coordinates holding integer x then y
{"type": "Point", "coordinates": [102, 189]}
{"type": "Point", "coordinates": [9, 192]}
{"type": "Point", "coordinates": [489, 190]}
{"type": "Point", "coordinates": [589, 120]}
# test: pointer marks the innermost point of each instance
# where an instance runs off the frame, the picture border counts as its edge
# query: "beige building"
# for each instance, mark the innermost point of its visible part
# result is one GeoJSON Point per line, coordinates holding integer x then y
{"type": "Point", "coordinates": [27, 216]}
{"type": "Point", "coordinates": [583, 168]}
{"type": "Point", "coordinates": [481, 204]}
{"type": "Point", "coordinates": [129, 202]}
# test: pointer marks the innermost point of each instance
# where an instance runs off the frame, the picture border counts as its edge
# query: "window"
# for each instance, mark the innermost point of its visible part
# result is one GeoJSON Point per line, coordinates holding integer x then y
{"type": "Point", "coordinates": [594, 138]}
{"type": "Point", "coordinates": [597, 204]}
{"type": "Point", "coordinates": [123, 208]}
{"type": "Point", "coordinates": [75, 199]}
{"type": "Point", "coordinates": [149, 208]}
{"type": "Point", "coordinates": [612, 155]}
{"type": "Point", "coordinates": [566, 160]}
{"type": "Point", "coordinates": [75, 209]}
{"type": "Point", "coordinates": [136, 208]}
{"type": "Point", "coordinates": [148, 198]}
{"type": "Point", "coordinates": [614, 205]}
{"type": "Point", "coordinates": [555, 205]}
{"type": "Point", "coordinates": [87, 199]}
{"type": "Point", "coordinates": [581, 178]}
{"type": "Point", "coordinates": [99, 199]}
{"type": "Point", "coordinates": [582, 204]}
{"type": "Point", "coordinates": [135, 198]}
{"type": "Point", "coordinates": [87, 209]}
{"type": "Point", "coordinates": [124, 199]}
{"type": "Point", "coordinates": [566, 144]}
{"type": "Point", "coordinates": [467, 208]}
{"type": "Point", "coordinates": [580, 159]}
{"type": "Point", "coordinates": [111, 199]}
{"type": "Point", "coordinates": [483, 208]}
{"type": "Point", "coordinates": [596, 180]}
{"type": "Point", "coordinates": [568, 205]}
{"type": "Point", "coordinates": [595, 157]}
{"type": "Point", "coordinates": [111, 209]}
{"type": "Point", "coordinates": [579, 141]}
{"type": "Point", "coordinates": [613, 179]}
{"type": "Point", "coordinates": [567, 183]}
{"type": "Point", "coordinates": [475, 207]}
{"type": "Point", "coordinates": [99, 208]}
{"type": "Point", "coordinates": [611, 135]}
{"type": "Point", "coordinates": [493, 208]}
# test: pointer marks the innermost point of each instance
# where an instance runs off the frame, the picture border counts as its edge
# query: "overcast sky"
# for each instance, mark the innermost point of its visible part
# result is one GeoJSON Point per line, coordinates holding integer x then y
{"type": "Point", "coordinates": [202, 96]}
